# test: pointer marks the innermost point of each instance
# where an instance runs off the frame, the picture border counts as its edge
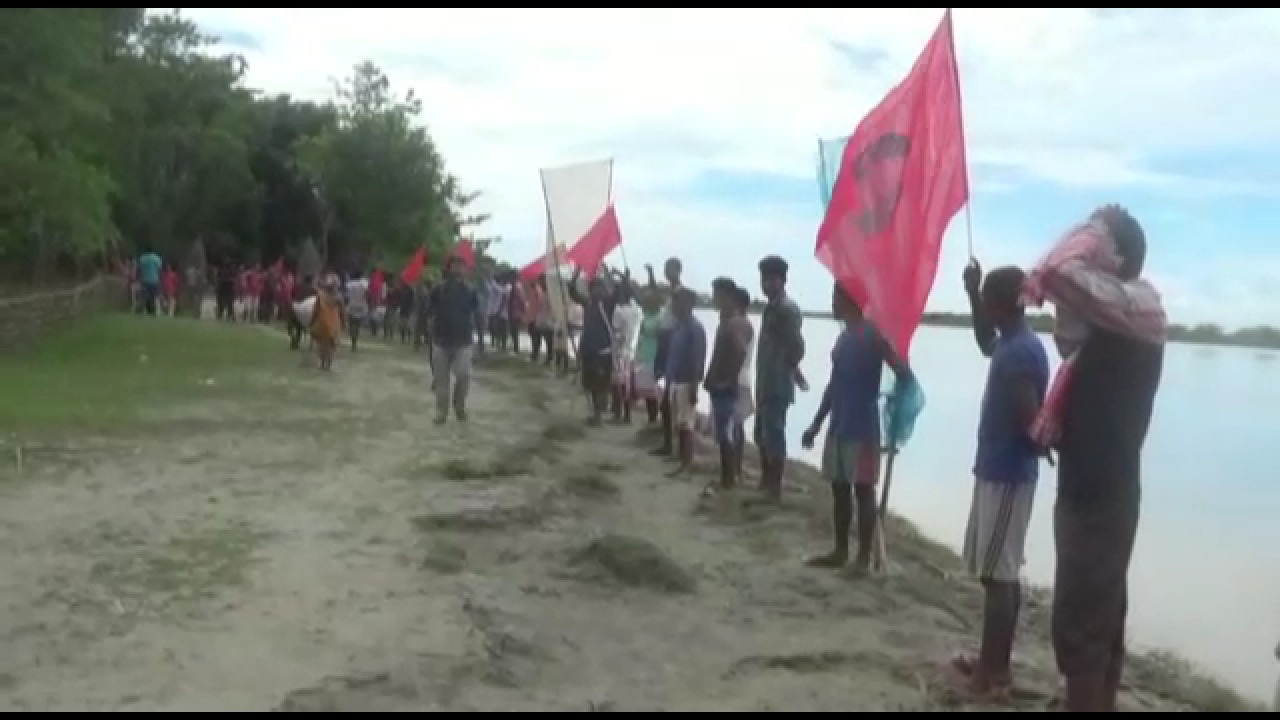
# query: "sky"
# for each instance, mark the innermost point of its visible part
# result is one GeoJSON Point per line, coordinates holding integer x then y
{"type": "Point", "coordinates": [712, 118]}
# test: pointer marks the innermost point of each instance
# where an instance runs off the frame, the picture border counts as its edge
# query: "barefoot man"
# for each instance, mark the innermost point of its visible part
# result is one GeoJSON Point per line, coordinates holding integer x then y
{"type": "Point", "coordinates": [778, 357]}
{"type": "Point", "coordinates": [851, 452]}
{"type": "Point", "coordinates": [728, 355]}
{"type": "Point", "coordinates": [1005, 470]}
{"type": "Point", "coordinates": [685, 368]}
{"type": "Point", "coordinates": [1111, 331]}
{"type": "Point", "coordinates": [671, 270]}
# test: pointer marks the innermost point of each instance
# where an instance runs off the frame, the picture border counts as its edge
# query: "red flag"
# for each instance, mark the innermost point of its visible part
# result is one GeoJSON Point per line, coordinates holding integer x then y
{"type": "Point", "coordinates": [603, 237]}
{"type": "Point", "coordinates": [901, 180]}
{"type": "Point", "coordinates": [413, 269]}
{"type": "Point", "coordinates": [531, 271]}
{"type": "Point", "coordinates": [467, 252]}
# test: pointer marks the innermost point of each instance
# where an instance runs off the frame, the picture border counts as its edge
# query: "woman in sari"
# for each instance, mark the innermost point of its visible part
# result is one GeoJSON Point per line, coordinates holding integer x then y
{"type": "Point", "coordinates": [326, 324]}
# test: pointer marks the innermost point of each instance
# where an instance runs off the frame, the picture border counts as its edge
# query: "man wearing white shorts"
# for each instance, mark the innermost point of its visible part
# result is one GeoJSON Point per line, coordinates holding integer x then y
{"type": "Point", "coordinates": [1005, 470]}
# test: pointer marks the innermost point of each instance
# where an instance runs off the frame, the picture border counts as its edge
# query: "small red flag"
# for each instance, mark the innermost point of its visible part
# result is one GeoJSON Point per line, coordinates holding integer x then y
{"type": "Point", "coordinates": [466, 250]}
{"type": "Point", "coordinates": [413, 269]}
{"type": "Point", "coordinates": [902, 179]}
{"type": "Point", "coordinates": [603, 238]}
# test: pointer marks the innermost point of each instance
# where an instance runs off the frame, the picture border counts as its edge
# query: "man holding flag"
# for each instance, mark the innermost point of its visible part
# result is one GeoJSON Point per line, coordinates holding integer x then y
{"type": "Point", "coordinates": [902, 178]}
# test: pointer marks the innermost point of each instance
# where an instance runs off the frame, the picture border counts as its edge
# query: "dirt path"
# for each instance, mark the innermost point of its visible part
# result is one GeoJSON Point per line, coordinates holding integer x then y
{"type": "Point", "coordinates": [347, 555]}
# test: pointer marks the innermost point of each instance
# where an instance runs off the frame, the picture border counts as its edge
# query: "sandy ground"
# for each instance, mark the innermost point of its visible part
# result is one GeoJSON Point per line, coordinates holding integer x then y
{"type": "Point", "coordinates": [348, 555]}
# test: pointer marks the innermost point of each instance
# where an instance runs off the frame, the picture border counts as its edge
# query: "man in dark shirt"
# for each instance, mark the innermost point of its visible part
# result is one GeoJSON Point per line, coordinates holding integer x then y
{"type": "Point", "coordinates": [733, 338]}
{"type": "Point", "coordinates": [1105, 414]}
{"type": "Point", "coordinates": [453, 314]}
{"type": "Point", "coordinates": [595, 346]}
{"type": "Point", "coordinates": [778, 356]}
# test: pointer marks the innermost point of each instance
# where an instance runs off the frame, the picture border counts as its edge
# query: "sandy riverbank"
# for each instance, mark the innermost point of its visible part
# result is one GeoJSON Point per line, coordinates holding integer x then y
{"type": "Point", "coordinates": [347, 555]}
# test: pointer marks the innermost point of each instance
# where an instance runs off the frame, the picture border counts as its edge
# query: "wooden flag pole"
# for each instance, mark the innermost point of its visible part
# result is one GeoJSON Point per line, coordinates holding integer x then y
{"type": "Point", "coordinates": [880, 551]}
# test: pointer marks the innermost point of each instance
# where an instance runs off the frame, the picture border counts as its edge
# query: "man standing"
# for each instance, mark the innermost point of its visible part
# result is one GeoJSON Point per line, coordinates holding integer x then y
{"type": "Point", "coordinates": [454, 309]}
{"type": "Point", "coordinates": [595, 347]}
{"type": "Point", "coordinates": [149, 267]}
{"type": "Point", "coordinates": [671, 270]}
{"type": "Point", "coordinates": [1111, 332]}
{"type": "Point", "coordinates": [728, 355]}
{"type": "Point", "coordinates": [686, 366]}
{"type": "Point", "coordinates": [851, 452]}
{"type": "Point", "coordinates": [778, 359]}
{"type": "Point", "coordinates": [357, 307]}
{"type": "Point", "coordinates": [1005, 470]}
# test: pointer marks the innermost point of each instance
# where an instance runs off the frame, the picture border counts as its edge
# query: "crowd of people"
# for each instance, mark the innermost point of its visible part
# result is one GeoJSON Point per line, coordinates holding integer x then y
{"type": "Point", "coordinates": [641, 346]}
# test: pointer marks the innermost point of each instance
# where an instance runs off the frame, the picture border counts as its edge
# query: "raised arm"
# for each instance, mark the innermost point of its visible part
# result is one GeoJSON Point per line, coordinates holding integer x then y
{"type": "Point", "coordinates": [1129, 307]}
{"type": "Point", "coordinates": [984, 330]}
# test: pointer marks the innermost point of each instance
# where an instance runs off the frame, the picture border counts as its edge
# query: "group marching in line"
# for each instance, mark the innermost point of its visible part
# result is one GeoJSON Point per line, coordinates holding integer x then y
{"type": "Point", "coordinates": [640, 345]}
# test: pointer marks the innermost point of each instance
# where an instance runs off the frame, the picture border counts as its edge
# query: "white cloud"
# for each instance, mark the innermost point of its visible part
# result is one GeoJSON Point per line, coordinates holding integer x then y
{"type": "Point", "coordinates": [1079, 98]}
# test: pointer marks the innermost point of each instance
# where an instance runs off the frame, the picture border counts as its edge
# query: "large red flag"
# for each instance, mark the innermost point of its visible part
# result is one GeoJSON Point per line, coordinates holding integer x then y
{"type": "Point", "coordinates": [413, 269]}
{"type": "Point", "coordinates": [531, 271]}
{"type": "Point", "coordinates": [901, 180]}
{"type": "Point", "coordinates": [603, 238]}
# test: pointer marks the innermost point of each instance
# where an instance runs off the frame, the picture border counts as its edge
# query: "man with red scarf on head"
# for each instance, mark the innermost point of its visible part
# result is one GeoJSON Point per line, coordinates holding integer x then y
{"type": "Point", "coordinates": [1111, 332]}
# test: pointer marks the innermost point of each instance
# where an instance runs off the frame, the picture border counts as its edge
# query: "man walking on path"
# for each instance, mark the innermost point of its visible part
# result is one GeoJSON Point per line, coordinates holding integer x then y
{"type": "Point", "coordinates": [1005, 470]}
{"type": "Point", "coordinates": [454, 311]}
{"type": "Point", "coordinates": [778, 357]}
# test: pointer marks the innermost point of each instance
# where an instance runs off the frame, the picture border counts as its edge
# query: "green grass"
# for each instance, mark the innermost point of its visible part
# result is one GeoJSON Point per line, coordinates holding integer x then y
{"type": "Point", "coordinates": [106, 372]}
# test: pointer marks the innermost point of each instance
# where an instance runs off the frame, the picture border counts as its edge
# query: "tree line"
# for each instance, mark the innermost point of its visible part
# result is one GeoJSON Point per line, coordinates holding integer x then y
{"type": "Point", "coordinates": [122, 130]}
{"type": "Point", "coordinates": [1258, 336]}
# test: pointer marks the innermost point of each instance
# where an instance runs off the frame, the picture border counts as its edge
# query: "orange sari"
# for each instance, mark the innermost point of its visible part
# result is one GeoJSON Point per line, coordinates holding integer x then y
{"type": "Point", "coordinates": [326, 323]}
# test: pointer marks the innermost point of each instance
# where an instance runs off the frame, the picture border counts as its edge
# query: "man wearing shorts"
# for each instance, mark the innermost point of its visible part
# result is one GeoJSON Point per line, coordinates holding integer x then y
{"type": "Point", "coordinates": [685, 367]}
{"type": "Point", "coordinates": [1005, 470]}
{"type": "Point", "coordinates": [851, 453]}
{"type": "Point", "coordinates": [778, 357]}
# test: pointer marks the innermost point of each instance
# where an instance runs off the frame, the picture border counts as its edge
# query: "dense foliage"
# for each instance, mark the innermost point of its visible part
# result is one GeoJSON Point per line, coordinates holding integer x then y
{"type": "Point", "coordinates": [121, 130]}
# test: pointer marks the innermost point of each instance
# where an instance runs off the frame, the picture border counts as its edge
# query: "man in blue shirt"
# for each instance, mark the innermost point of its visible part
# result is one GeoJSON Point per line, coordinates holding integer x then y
{"type": "Point", "coordinates": [1005, 469]}
{"type": "Point", "coordinates": [686, 364]}
{"type": "Point", "coordinates": [149, 267]}
{"type": "Point", "coordinates": [851, 453]}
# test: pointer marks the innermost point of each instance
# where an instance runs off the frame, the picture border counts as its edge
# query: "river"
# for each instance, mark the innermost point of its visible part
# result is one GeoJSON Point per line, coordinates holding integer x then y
{"type": "Point", "coordinates": [1205, 580]}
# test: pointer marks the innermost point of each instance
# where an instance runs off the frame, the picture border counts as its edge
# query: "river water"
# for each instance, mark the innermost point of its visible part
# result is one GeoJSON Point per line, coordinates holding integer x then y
{"type": "Point", "coordinates": [1205, 580]}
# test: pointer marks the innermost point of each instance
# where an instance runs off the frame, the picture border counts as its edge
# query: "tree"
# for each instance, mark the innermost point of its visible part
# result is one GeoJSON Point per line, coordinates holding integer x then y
{"type": "Point", "coordinates": [182, 155]}
{"type": "Point", "coordinates": [120, 131]}
{"type": "Point", "coordinates": [379, 183]}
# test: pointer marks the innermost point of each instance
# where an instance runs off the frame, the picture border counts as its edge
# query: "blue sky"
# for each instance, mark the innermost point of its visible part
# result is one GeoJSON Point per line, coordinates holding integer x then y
{"type": "Point", "coordinates": [713, 118]}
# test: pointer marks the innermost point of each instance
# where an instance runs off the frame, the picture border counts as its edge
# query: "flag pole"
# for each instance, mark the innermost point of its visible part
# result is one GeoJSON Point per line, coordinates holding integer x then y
{"type": "Point", "coordinates": [964, 155]}
{"type": "Point", "coordinates": [621, 245]}
{"type": "Point", "coordinates": [554, 256]}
